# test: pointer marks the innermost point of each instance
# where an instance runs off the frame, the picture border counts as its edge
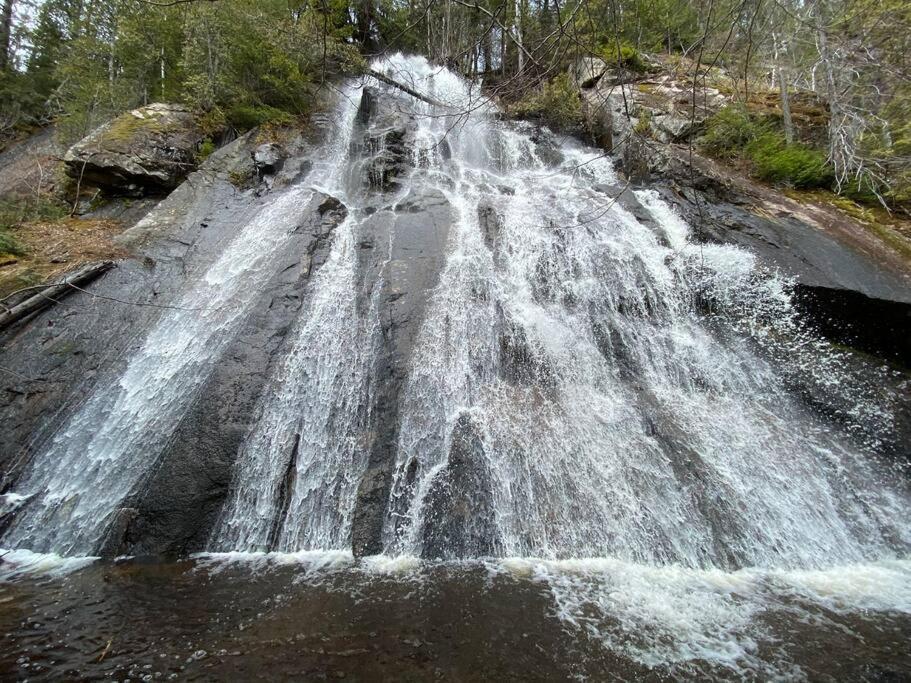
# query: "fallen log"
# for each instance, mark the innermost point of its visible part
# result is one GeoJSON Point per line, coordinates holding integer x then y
{"type": "Point", "coordinates": [404, 88]}
{"type": "Point", "coordinates": [52, 293]}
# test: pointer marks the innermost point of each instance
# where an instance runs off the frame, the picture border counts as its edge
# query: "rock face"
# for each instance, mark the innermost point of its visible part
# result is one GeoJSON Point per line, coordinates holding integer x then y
{"type": "Point", "coordinates": [77, 345]}
{"type": "Point", "coordinates": [403, 249]}
{"type": "Point", "coordinates": [618, 102]}
{"type": "Point", "coordinates": [384, 144]}
{"type": "Point", "coordinates": [460, 519]}
{"type": "Point", "coordinates": [149, 150]}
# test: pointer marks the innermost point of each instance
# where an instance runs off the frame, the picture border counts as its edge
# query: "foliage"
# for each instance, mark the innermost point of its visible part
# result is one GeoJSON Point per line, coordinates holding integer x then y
{"type": "Point", "coordinates": [735, 133]}
{"type": "Point", "coordinates": [794, 165]}
{"type": "Point", "coordinates": [9, 244]}
{"type": "Point", "coordinates": [628, 57]}
{"type": "Point", "coordinates": [206, 149]}
{"type": "Point", "coordinates": [557, 103]}
{"type": "Point", "coordinates": [16, 212]}
{"type": "Point", "coordinates": [729, 131]}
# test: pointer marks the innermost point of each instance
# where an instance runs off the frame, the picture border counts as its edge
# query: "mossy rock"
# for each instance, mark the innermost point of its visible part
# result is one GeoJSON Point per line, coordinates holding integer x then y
{"type": "Point", "coordinates": [149, 150]}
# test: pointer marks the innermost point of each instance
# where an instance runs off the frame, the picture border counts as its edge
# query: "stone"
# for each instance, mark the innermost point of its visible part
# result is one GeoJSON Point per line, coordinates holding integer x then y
{"type": "Point", "coordinates": [460, 520]}
{"type": "Point", "coordinates": [268, 159]}
{"type": "Point", "coordinates": [587, 71]}
{"type": "Point", "coordinates": [147, 151]}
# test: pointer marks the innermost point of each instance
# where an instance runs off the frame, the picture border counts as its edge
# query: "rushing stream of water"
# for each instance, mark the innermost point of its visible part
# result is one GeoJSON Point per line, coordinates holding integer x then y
{"type": "Point", "coordinates": [596, 404]}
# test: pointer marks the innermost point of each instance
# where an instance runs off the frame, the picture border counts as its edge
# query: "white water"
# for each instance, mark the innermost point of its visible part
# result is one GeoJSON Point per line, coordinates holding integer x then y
{"type": "Point", "coordinates": [312, 407]}
{"type": "Point", "coordinates": [662, 616]}
{"type": "Point", "coordinates": [111, 442]}
{"type": "Point", "coordinates": [637, 432]}
{"type": "Point", "coordinates": [647, 463]}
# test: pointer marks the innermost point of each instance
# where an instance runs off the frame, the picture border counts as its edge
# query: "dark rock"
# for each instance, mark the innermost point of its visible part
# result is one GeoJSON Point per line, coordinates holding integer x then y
{"type": "Point", "coordinates": [117, 531]}
{"type": "Point", "coordinates": [460, 521]}
{"type": "Point", "coordinates": [491, 225]}
{"type": "Point", "coordinates": [412, 255]}
{"type": "Point", "coordinates": [149, 150]}
{"type": "Point", "coordinates": [182, 499]}
{"type": "Point", "coordinates": [77, 346]}
{"type": "Point", "coordinates": [383, 140]}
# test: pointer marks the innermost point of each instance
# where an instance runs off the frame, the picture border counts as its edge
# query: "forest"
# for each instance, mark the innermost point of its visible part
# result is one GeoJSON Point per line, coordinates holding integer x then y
{"type": "Point", "coordinates": [239, 64]}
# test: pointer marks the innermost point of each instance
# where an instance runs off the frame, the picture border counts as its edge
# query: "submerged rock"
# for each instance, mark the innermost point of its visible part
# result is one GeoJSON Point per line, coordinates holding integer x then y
{"type": "Point", "coordinates": [149, 150]}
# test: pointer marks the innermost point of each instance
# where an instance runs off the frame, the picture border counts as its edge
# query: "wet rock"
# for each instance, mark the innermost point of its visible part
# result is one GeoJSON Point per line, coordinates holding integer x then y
{"type": "Point", "coordinates": [77, 346]}
{"type": "Point", "coordinates": [383, 139]}
{"type": "Point", "coordinates": [405, 252]}
{"type": "Point", "coordinates": [149, 150]}
{"type": "Point", "coordinates": [268, 159]}
{"type": "Point", "coordinates": [181, 501]}
{"type": "Point", "coordinates": [491, 225]}
{"type": "Point", "coordinates": [118, 531]}
{"type": "Point", "coordinates": [520, 363]}
{"type": "Point", "coordinates": [460, 521]}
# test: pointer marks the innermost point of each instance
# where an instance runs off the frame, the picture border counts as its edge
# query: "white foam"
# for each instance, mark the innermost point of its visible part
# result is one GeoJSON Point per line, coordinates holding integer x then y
{"type": "Point", "coordinates": [672, 615]}
{"type": "Point", "coordinates": [19, 564]}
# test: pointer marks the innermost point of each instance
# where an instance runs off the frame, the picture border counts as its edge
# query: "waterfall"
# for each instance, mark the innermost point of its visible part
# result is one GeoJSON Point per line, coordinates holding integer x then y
{"type": "Point", "coordinates": [106, 448]}
{"type": "Point", "coordinates": [574, 376]}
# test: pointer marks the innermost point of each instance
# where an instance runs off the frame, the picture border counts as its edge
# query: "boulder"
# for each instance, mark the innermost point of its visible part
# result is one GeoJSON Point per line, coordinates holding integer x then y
{"type": "Point", "coordinates": [587, 71]}
{"type": "Point", "coordinates": [146, 151]}
{"type": "Point", "coordinates": [268, 159]}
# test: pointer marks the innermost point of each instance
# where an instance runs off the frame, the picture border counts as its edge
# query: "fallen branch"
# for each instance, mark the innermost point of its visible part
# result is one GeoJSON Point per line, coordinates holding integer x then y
{"type": "Point", "coordinates": [404, 88]}
{"type": "Point", "coordinates": [54, 292]}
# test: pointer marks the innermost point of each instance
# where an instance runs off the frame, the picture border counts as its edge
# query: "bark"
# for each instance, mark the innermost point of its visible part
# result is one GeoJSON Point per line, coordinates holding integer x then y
{"type": "Point", "coordinates": [785, 106]}
{"type": "Point", "coordinates": [404, 88]}
{"type": "Point", "coordinates": [6, 33]}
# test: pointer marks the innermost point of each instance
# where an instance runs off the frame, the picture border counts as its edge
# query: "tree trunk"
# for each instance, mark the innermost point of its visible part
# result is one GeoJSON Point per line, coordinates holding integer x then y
{"type": "Point", "coordinates": [785, 106]}
{"type": "Point", "coordinates": [53, 293]}
{"type": "Point", "coordinates": [837, 152]}
{"type": "Point", "coordinates": [6, 33]}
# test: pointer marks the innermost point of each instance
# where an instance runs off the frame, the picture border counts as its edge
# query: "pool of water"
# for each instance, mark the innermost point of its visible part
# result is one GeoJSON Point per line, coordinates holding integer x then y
{"type": "Point", "coordinates": [318, 616]}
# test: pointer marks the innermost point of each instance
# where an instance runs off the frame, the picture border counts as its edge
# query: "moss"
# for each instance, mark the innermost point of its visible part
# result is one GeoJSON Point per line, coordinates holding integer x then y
{"type": "Point", "coordinates": [240, 178]}
{"type": "Point", "coordinates": [872, 217]}
{"type": "Point", "coordinates": [127, 127]}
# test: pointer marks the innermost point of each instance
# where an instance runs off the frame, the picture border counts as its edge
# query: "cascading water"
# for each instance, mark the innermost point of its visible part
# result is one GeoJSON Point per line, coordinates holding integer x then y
{"type": "Point", "coordinates": [591, 396]}
{"type": "Point", "coordinates": [603, 415]}
{"type": "Point", "coordinates": [305, 439]}
{"type": "Point", "coordinates": [102, 453]}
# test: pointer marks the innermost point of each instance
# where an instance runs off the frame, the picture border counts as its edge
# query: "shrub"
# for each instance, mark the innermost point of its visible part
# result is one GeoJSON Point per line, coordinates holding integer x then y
{"type": "Point", "coordinates": [206, 147]}
{"type": "Point", "coordinates": [629, 56]}
{"type": "Point", "coordinates": [795, 165]}
{"type": "Point", "coordinates": [557, 103]}
{"type": "Point", "coordinates": [247, 116]}
{"type": "Point", "coordinates": [9, 245]}
{"type": "Point", "coordinates": [729, 131]}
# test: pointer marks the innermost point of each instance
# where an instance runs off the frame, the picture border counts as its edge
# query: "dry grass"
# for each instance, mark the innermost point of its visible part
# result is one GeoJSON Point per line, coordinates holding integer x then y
{"type": "Point", "coordinates": [55, 247]}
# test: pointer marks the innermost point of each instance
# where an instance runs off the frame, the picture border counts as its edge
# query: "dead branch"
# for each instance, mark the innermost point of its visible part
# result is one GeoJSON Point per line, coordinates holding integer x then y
{"type": "Point", "coordinates": [53, 293]}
